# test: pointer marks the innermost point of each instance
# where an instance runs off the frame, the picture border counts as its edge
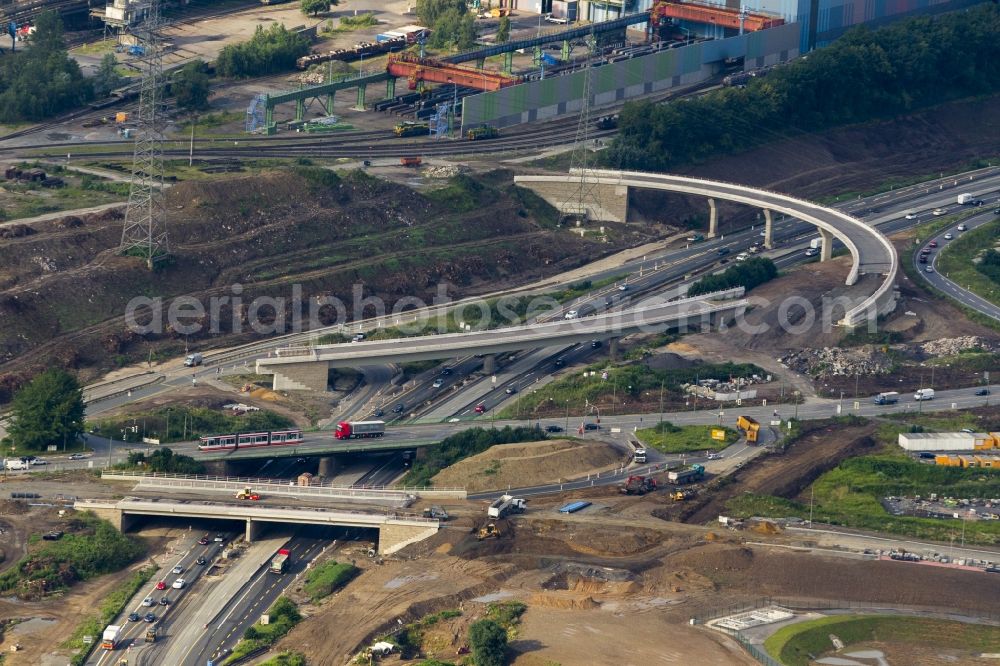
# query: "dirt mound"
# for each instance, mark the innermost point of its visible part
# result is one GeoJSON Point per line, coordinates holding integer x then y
{"type": "Point", "coordinates": [563, 600]}
{"type": "Point", "coordinates": [715, 558]}
{"type": "Point", "coordinates": [68, 287]}
{"type": "Point", "coordinates": [508, 465]}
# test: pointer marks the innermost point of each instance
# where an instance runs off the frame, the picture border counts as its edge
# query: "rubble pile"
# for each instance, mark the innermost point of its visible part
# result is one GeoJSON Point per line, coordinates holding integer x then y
{"type": "Point", "coordinates": [443, 171]}
{"type": "Point", "coordinates": [952, 346]}
{"type": "Point", "coordinates": [834, 361]}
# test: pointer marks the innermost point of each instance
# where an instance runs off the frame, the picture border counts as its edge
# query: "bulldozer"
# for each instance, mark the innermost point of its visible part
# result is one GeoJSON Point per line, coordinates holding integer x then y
{"type": "Point", "coordinates": [637, 485]}
{"type": "Point", "coordinates": [488, 531]}
{"type": "Point", "coordinates": [247, 494]}
{"type": "Point", "coordinates": [682, 495]}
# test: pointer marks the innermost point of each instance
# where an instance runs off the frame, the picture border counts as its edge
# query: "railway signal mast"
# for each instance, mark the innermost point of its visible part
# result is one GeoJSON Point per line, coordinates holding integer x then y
{"type": "Point", "coordinates": [144, 233]}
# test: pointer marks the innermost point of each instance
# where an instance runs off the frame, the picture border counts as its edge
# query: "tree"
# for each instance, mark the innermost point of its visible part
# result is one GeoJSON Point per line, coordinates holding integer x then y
{"type": "Point", "coordinates": [48, 410]}
{"type": "Point", "coordinates": [190, 86]}
{"type": "Point", "coordinates": [430, 11]}
{"type": "Point", "coordinates": [488, 641]}
{"type": "Point", "coordinates": [107, 77]}
{"type": "Point", "coordinates": [503, 30]}
{"type": "Point", "coordinates": [314, 7]}
{"type": "Point", "coordinates": [454, 28]}
{"type": "Point", "coordinates": [268, 51]}
{"type": "Point", "coordinates": [42, 80]}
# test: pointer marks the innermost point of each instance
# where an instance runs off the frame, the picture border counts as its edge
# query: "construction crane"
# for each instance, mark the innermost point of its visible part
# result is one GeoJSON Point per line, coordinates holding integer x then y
{"type": "Point", "coordinates": [426, 69]}
{"type": "Point", "coordinates": [736, 19]}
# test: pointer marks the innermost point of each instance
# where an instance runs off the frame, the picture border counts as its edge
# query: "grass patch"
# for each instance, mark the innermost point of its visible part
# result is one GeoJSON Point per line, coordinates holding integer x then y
{"type": "Point", "coordinates": [850, 495]}
{"type": "Point", "coordinates": [327, 578]}
{"type": "Point", "coordinates": [463, 194]}
{"type": "Point", "coordinates": [284, 615]}
{"type": "Point", "coordinates": [632, 382]}
{"type": "Point", "coordinates": [957, 260]}
{"type": "Point", "coordinates": [286, 659]}
{"type": "Point", "coordinates": [668, 438]}
{"type": "Point", "coordinates": [182, 423]}
{"type": "Point", "coordinates": [90, 547]}
{"type": "Point", "coordinates": [111, 606]}
{"type": "Point", "coordinates": [462, 445]}
{"type": "Point", "coordinates": [410, 639]}
{"type": "Point", "coordinates": [350, 23]}
{"type": "Point", "coordinates": [799, 644]}
{"type": "Point", "coordinates": [578, 289]}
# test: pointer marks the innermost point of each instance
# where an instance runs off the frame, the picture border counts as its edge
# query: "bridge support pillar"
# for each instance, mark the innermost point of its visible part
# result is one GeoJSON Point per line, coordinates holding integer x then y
{"type": "Point", "coordinates": [300, 110]}
{"type": "Point", "coordinates": [329, 104]}
{"type": "Point", "coordinates": [713, 219]}
{"type": "Point", "coordinates": [361, 97]}
{"type": "Point", "coordinates": [253, 531]}
{"type": "Point", "coordinates": [327, 467]}
{"type": "Point", "coordinates": [480, 63]}
{"type": "Point", "coordinates": [489, 364]}
{"type": "Point", "coordinates": [768, 230]}
{"type": "Point", "coordinates": [508, 62]}
{"type": "Point", "coordinates": [390, 87]}
{"type": "Point", "coordinates": [613, 349]}
{"type": "Point", "coordinates": [827, 252]}
{"type": "Point", "coordinates": [565, 50]}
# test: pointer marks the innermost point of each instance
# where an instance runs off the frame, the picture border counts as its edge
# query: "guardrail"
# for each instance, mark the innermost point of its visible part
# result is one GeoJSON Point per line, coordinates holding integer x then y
{"type": "Point", "coordinates": [239, 483]}
{"type": "Point", "coordinates": [154, 378]}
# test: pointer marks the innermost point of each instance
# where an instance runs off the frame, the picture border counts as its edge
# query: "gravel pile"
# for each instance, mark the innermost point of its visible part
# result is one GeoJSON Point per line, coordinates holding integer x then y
{"type": "Point", "coordinates": [834, 361]}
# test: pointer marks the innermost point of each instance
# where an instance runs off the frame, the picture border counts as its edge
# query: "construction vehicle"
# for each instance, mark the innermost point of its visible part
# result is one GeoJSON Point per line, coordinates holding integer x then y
{"type": "Point", "coordinates": [637, 485]}
{"type": "Point", "coordinates": [886, 398]}
{"type": "Point", "coordinates": [506, 505]}
{"type": "Point", "coordinates": [247, 494]}
{"type": "Point", "coordinates": [151, 634]}
{"type": "Point", "coordinates": [410, 161]}
{"type": "Point", "coordinates": [410, 128]}
{"type": "Point", "coordinates": [690, 475]}
{"type": "Point", "coordinates": [436, 512]}
{"type": "Point", "coordinates": [109, 640]}
{"type": "Point", "coordinates": [280, 561]}
{"type": "Point", "coordinates": [682, 495]}
{"type": "Point", "coordinates": [482, 132]}
{"type": "Point", "coordinates": [488, 531]}
{"type": "Point", "coordinates": [750, 427]}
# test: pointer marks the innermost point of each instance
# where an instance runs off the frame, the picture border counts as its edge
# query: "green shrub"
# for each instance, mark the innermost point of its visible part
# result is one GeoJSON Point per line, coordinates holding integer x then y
{"type": "Point", "coordinates": [749, 274]}
{"type": "Point", "coordinates": [328, 577]}
{"type": "Point", "coordinates": [90, 547]}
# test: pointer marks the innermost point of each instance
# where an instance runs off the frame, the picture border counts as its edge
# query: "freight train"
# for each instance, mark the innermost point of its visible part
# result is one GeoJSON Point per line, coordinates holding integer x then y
{"type": "Point", "coordinates": [245, 440]}
{"type": "Point", "coordinates": [348, 55]}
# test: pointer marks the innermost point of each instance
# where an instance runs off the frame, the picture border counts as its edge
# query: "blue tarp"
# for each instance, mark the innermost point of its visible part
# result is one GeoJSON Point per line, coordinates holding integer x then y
{"type": "Point", "coordinates": [573, 507]}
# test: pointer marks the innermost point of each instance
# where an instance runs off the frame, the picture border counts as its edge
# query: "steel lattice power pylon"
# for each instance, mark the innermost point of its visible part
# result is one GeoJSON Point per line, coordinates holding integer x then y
{"type": "Point", "coordinates": [583, 196]}
{"type": "Point", "coordinates": [145, 232]}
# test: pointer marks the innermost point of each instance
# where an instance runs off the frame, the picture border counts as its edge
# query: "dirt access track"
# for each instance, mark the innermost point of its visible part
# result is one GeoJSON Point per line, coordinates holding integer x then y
{"type": "Point", "coordinates": [785, 474]}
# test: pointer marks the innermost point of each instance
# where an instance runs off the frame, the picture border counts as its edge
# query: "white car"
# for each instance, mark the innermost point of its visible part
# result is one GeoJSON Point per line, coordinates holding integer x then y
{"type": "Point", "coordinates": [812, 252]}
{"type": "Point", "coordinates": [948, 236]}
{"type": "Point", "coordinates": [148, 601]}
{"type": "Point", "coordinates": [742, 256]}
{"type": "Point", "coordinates": [438, 383]}
{"type": "Point", "coordinates": [962, 227]}
{"type": "Point", "coordinates": [714, 456]}
{"type": "Point", "coordinates": [39, 461]}
{"type": "Point", "coordinates": [177, 570]}
{"type": "Point", "coordinates": [572, 314]}
{"type": "Point", "coordinates": [179, 584]}
{"type": "Point", "coordinates": [910, 216]}
{"type": "Point", "coordinates": [938, 212]}
{"type": "Point", "coordinates": [623, 287]}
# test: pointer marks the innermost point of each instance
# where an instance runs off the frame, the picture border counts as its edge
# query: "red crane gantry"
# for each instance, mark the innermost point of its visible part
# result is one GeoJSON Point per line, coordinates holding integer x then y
{"type": "Point", "coordinates": [712, 15]}
{"type": "Point", "coordinates": [425, 69]}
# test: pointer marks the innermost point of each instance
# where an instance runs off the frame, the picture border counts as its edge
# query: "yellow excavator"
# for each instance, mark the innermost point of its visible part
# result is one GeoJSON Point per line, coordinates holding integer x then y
{"type": "Point", "coordinates": [682, 495]}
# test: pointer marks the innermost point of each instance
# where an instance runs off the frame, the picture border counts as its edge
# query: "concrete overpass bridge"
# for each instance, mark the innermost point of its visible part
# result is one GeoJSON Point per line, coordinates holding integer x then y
{"type": "Point", "coordinates": [602, 194]}
{"type": "Point", "coordinates": [395, 532]}
{"type": "Point", "coordinates": [306, 367]}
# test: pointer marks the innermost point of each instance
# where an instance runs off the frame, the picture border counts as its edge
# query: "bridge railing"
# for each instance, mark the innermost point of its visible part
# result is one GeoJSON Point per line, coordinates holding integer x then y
{"type": "Point", "coordinates": [257, 482]}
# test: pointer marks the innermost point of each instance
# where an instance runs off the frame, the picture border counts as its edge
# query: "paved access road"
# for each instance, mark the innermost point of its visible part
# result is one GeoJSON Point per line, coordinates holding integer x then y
{"type": "Point", "coordinates": [941, 282]}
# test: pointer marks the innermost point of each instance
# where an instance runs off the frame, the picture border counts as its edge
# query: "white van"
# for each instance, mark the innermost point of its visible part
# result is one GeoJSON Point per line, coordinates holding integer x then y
{"type": "Point", "coordinates": [924, 394]}
{"type": "Point", "coordinates": [192, 360]}
{"type": "Point", "coordinates": [14, 464]}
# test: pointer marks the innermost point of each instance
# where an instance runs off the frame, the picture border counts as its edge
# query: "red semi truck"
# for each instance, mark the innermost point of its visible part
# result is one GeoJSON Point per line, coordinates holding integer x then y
{"type": "Point", "coordinates": [359, 429]}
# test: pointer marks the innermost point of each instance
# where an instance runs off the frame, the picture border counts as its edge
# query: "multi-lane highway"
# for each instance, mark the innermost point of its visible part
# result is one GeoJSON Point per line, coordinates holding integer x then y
{"type": "Point", "coordinates": [941, 282]}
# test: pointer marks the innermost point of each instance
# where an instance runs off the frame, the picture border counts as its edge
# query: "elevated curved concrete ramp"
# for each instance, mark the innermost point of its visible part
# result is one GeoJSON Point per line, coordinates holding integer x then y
{"type": "Point", "coordinates": [871, 252]}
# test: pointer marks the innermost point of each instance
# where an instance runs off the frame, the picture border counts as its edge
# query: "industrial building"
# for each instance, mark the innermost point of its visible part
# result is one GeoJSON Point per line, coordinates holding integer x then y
{"type": "Point", "coordinates": [820, 21]}
{"type": "Point", "coordinates": [950, 441]}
